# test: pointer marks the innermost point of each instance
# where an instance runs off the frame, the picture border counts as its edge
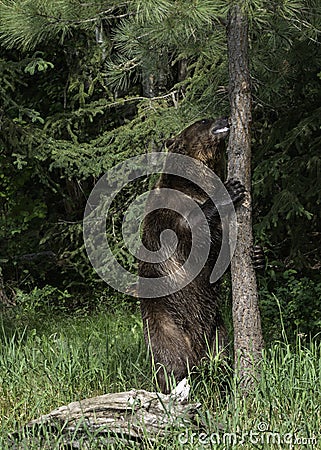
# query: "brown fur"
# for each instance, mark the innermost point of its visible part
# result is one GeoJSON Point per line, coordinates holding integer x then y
{"type": "Point", "coordinates": [180, 327]}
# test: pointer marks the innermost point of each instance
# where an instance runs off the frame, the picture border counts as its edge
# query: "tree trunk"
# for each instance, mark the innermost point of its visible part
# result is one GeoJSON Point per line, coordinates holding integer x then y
{"type": "Point", "coordinates": [3, 296]}
{"type": "Point", "coordinates": [248, 341]}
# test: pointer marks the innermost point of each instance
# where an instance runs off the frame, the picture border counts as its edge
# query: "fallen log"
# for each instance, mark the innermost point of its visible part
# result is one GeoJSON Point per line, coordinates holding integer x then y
{"type": "Point", "coordinates": [135, 416]}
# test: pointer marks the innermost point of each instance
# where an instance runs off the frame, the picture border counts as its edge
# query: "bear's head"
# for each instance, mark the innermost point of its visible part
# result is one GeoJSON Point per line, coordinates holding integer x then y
{"type": "Point", "coordinates": [204, 141]}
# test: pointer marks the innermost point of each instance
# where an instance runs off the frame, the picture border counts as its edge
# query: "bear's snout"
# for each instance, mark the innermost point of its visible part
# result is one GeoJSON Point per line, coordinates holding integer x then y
{"type": "Point", "coordinates": [221, 126]}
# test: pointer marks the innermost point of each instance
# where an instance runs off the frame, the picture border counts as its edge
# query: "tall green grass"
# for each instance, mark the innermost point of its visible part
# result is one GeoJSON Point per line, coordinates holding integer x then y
{"type": "Point", "coordinates": [52, 359]}
{"type": "Point", "coordinates": [63, 359]}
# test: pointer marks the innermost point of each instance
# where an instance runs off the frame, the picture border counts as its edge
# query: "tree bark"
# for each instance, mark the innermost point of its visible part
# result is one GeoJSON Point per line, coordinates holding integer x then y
{"type": "Point", "coordinates": [248, 340]}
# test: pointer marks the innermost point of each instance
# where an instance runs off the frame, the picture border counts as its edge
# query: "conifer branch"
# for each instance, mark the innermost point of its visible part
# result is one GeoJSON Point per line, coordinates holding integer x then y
{"type": "Point", "coordinates": [149, 99]}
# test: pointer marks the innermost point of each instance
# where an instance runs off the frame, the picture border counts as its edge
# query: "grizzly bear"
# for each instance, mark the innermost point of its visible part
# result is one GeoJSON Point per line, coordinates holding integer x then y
{"type": "Point", "coordinates": [181, 327]}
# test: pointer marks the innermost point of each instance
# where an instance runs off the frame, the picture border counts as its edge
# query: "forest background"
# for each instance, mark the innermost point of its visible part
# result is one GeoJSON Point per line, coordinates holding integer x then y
{"type": "Point", "coordinates": [86, 85]}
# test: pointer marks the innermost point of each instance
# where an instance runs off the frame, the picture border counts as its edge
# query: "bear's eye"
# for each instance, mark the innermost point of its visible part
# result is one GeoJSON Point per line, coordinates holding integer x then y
{"type": "Point", "coordinates": [204, 121]}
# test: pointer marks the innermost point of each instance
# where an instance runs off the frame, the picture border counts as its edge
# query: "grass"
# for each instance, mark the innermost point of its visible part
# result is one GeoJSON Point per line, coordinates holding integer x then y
{"type": "Point", "coordinates": [50, 359]}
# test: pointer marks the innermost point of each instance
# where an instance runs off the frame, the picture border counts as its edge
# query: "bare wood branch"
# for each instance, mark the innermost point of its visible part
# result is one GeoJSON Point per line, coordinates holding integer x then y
{"type": "Point", "coordinates": [100, 15]}
{"type": "Point", "coordinates": [141, 98]}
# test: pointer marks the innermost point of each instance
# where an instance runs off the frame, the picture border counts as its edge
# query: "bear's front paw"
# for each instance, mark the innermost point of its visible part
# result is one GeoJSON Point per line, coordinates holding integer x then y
{"type": "Point", "coordinates": [236, 190]}
{"type": "Point", "coordinates": [258, 258]}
